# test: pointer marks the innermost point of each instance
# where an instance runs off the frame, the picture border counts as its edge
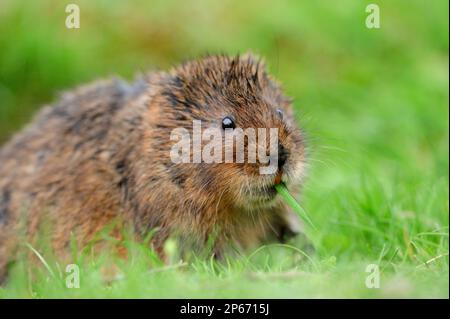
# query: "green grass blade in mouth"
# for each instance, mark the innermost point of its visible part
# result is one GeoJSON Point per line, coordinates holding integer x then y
{"type": "Point", "coordinates": [290, 200]}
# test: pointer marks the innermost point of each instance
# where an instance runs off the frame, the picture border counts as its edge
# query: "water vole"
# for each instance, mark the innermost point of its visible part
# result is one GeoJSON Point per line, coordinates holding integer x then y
{"type": "Point", "coordinates": [102, 152]}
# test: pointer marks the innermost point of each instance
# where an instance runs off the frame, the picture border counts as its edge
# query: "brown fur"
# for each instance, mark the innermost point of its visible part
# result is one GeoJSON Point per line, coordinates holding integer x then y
{"type": "Point", "coordinates": [102, 153]}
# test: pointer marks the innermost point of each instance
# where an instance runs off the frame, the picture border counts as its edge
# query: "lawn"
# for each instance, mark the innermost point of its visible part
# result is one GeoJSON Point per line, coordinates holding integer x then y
{"type": "Point", "coordinates": [374, 104]}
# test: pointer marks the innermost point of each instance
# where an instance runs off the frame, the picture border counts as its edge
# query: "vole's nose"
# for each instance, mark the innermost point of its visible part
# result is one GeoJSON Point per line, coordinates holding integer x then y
{"type": "Point", "coordinates": [282, 156]}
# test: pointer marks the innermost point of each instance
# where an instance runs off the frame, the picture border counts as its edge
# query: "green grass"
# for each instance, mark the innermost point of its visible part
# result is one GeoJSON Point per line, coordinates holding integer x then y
{"type": "Point", "coordinates": [373, 102]}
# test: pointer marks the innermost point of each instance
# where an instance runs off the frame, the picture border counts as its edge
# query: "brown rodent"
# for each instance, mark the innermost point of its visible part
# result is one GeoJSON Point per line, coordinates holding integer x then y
{"type": "Point", "coordinates": [101, 153]}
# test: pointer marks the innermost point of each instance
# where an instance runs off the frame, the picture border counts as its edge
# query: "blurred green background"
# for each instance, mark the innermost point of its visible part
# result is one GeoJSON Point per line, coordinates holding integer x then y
{"type": "Point", "coordinates": [374, 103]}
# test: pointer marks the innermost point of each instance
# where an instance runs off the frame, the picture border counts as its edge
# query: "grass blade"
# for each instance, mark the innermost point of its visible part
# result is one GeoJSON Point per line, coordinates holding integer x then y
{"type": "Point", "coordinates": [290, 200]}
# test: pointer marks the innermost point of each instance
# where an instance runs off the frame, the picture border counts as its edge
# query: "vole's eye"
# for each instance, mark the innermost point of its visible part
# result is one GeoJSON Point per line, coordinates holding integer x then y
{"type": "Point", "coordinates": [228, 122]}
{"type": "Point", "coordinates": [280, 113]}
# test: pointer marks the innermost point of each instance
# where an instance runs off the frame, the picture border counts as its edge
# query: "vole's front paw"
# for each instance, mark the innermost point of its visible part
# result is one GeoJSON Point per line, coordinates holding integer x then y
{"type": "Point", "coordinates": [290, 229]}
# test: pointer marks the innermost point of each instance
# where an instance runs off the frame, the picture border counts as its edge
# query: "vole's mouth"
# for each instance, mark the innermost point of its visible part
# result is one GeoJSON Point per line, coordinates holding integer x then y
{"type": "Point", "coordinates": [264, 192]}
{"type": "Point", "coordinates": [261, 194]}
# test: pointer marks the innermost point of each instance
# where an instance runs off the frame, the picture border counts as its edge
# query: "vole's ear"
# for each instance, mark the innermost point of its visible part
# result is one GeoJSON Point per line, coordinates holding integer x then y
{"type": "Point", "coordinates": [252, 58]}
{"type": "Point", "coordinates": [254, 65]}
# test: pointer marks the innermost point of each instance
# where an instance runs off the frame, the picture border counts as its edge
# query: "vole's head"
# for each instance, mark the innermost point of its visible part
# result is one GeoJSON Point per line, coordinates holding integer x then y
{"type": "Point", "coordinates": [233, 96]}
